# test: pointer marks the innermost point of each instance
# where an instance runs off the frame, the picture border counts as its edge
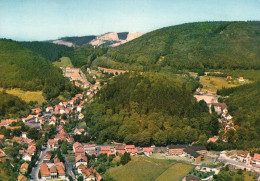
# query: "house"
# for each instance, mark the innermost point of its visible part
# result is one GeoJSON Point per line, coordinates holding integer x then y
{"type": "Point", "coordinates": [61, 170]}
{"type": "Point", "coordinates": [45, 172]}
{"type": "Point", "coordinates": [27, 157]}
{"type": "Point", "coordinates": [77, 145]}
{"type": "Point", "coordinates": [22, 178]}
{"type": "Point", "coordinates": [6, 122]}
{"type": "Point", "coordinates": [256, 159]}
{"type": "Point", "coordinates": [129, 146]}
{"type": "Point", "coordinates": [80, 116]}
{"type": "Point", "coordinates": [24, 168]}
{"type": "Point", "coordinates": [82, 167]}
{"type": "Point", "coordinates": [53, 144]}
{"type": "Point", "coordinates": [36, 111]}
{"type": "Point", "coordinates": [52, 122]}
{"type": "Point", "coordinates": [54, 172]}
{"type": "Point", "coordinates": [132, 151]}
{"type": "Point", "coordinates": [176, 149]}
{"type": "Point", "coordinates": [47, 157]}
{"type": "Point", "coordinates": [24, 134]}
{"type": "Point", "coordinates": [31, 149]}
{"type": "Point", "coordinates": [79, 131]}
{"type": "Point", "coordinates": [28, 118]}
{"type": "Point", "coordinates": [220, 108]}
{"type": "Point", "coordinates": [81, 159]}
{"type": "Point", "coordinates": [2, 153]}
{"type": "Point", "coordinates": [192, 154]}
{"type": "Point", "coordinates": [79, 151]}
{"type": "Point", "coordinates": [49, 109]}
{"type": "Point", "coordinates": [79, 108]}
{"type": "Point", "coordinates": [2, 136]}
{"type": "Point", "coordinates": [148, 150]}
{"type": "Point", "coordinates": [213, 139]}
{"type": "Point", "coordinates": [120, 150]}
{"type": "Point", "coordinates": [243, 156]}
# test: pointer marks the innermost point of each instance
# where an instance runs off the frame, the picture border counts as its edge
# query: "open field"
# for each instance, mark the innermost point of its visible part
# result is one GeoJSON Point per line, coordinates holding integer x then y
{"type": "Point", "coordinates": [175, 172]}
{"type": "Point", "coordinates": [144, 168]}
{"type": "Point", "coordinates": [212, 84]}
{"type": "Point", "coordinates": [27, 96]}
{"type": "Point", "coordinates": [64, 62]}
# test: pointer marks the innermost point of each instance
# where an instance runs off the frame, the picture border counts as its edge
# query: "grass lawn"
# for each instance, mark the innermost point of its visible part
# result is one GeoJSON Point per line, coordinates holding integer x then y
{"type": "Point", "coordinates": [64, 62]}
{"type": "Point", "coordinates": [212, 84]}
{"type": "Point", "coordinates": [27, 96]}
{"type": "Point", "coordinates": [175, 172]}
{"type": "Point", "coordinates": [144, 168]}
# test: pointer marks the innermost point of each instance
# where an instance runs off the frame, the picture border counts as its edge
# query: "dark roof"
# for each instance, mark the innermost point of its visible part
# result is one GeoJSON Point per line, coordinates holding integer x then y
{"type": "Point", "coordinates": [198, 148]}
{"type": "Point", "coordinates": [192, 178]}
{"type": "Point", "coordinates": [191, 152]}
{"type": "Point", "coordinates": [176, 146]}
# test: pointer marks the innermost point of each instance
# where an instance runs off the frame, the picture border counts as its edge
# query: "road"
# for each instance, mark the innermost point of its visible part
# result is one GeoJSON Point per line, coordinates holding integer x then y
{"type": "Point", "coordinates": [35, 170]}
{"type": "Point", "coordinates": [225, 159]}
{"type": "Point", "coordinates": [69, 168]}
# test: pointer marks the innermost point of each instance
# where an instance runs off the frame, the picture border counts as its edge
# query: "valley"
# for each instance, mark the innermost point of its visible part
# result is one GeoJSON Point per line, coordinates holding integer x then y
{"type": "Point", "coordinates": [172, 104]}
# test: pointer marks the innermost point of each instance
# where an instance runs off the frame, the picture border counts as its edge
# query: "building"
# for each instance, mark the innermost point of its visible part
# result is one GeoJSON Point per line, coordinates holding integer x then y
{"type": "Point", "coordinates": [27, 157]}
{"type": "Point", "coordinates": [81, 159]}
{"type": "Point", "coordinates": [256, 159]}
{"type": "Point", "coordinates": [53, 144]}
{"type": "Point", "coordinates": [192, 154]}
{"type": "Point", "coordinates": [243, 156]}
{"type": "Point", "coordinates": [22, 178]}
{"type": "Point", "coordinates": [24, 168]}
{"type": "Point", "coordinates": [176, 149]}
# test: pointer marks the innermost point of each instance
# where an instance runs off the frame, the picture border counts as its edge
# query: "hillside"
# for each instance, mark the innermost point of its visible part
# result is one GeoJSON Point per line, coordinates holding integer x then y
{"type": "Point", "coordinates": [148, 109]}
{"type": "Point", "coordinates": [47, 50]}
{"type": "Point", "coordinates": [194, 46]}
{"type": "Point", "coordinates": [244, 105]}
{"type": "Point", "coordinates": [21, 68]}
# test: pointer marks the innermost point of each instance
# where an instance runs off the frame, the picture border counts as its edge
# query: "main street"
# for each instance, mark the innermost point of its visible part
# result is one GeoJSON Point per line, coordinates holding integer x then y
{"type": "Point", "coordinates": [225, 159]}
{"type": "Point", "coordinates": [35, 170]}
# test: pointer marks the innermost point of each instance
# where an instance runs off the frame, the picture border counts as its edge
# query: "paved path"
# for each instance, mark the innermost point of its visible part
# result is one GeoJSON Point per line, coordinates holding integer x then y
{"type": "Point", "coordinates": [35, 170]}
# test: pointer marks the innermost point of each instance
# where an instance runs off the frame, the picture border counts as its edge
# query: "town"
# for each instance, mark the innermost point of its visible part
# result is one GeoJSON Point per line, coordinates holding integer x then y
{"type": "Point", "coordinates": [64, 154]}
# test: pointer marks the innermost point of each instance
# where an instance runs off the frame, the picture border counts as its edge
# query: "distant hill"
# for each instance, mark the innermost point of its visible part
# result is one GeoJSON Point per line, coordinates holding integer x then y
{"type": "Point", "coordinates": [204, 45]}
{"type": "Point", "coordinates": [108, 39]}
{"type": "Point", "coordinates": [22, 68]}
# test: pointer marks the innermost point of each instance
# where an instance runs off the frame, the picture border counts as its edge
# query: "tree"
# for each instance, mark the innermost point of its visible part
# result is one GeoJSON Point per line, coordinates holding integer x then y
{"type": "Point", "coordinates": [125, 158]}
{"type": "Point", "coordinates": [64, 147]}
{"type": "Point", "coordinates": [80, 178]}
{"type": "Point", "coordinates": [203, 139]}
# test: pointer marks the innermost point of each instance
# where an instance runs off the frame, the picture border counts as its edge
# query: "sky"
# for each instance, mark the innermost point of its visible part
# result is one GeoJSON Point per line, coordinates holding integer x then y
{"type": "Point", "coordinates": [31, 20]}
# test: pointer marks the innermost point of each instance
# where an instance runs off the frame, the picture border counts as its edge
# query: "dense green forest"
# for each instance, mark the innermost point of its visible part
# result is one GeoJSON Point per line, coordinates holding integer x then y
{"type": "Point", "coordinates": [85, 55]}
{"type": "Point", "coordinates": [148, 109]}
{"type": "Point", "coordinates": [22, 68]}
{"type": "Point", "coordinates": [49, 51]}
{"type": "Point", "coordinates": [244, 105]}
{"type": "Point", "coordinates": [193, 46]}
{"type": "Point", "coordinates": [12, 106]}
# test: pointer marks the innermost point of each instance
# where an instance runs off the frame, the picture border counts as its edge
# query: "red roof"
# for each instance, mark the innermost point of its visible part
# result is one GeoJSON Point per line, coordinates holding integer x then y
{"type": "Point", "coordinates": [134, 150]}
{"type": "Point", "coordinates": [44, 170]}
{"type": "Point", "coordinates": [107, 148]}
{"type": "Point", "coordinates": [256, 157]}
{"type": "Point", "coordinates": [81, 157]}
{"type": "Point", "coordinates": [129, 146]}
{"type": "Point", "coordinates": [148, 149]}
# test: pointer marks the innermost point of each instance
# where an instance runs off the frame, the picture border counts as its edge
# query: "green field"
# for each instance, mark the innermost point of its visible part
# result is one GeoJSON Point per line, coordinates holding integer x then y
{"type": "Point", "coordinates": [64, 62]}
{"type": "Point", "coordinates": [144, 168]}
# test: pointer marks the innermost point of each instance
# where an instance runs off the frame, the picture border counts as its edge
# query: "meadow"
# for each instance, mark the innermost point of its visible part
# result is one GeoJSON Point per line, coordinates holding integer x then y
{"type": "Point", "coordinates": [64, 62]}
{"type": "Point", "coordinates": [27, 96]}
{"type": "Point", "coordinates": [144, 168]}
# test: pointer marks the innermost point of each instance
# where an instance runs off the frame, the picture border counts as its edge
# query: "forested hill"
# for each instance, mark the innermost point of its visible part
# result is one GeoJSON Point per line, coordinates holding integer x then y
{"type": "Point", "coordinates": [244, 105]}
{"type": "Point", "coordinates": [212, 45]}
{"type": "Point", "coordinates": [22, 68]}
{"type": "Point", "coordinates": [49, 51]}
{"type": "Point", "coordinates": [148, 109]}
